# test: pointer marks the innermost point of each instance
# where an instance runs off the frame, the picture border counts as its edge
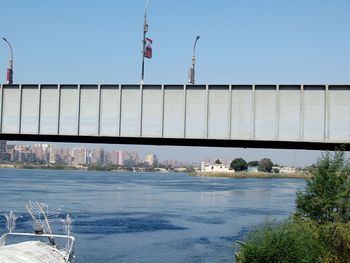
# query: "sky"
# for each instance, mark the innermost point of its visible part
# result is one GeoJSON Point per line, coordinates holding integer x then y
{"type": "Point", "coordinates": [241, 41]}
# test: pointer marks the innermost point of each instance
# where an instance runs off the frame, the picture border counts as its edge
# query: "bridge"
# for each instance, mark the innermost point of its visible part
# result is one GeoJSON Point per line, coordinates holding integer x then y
{"type": "Point", "coordinates": [267, 116]}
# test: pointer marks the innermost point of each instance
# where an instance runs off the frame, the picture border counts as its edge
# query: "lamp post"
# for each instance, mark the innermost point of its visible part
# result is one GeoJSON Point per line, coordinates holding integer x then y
{"type": "Point", "coordinates": [145, 29]}
{"type": "Point", "coordinates": [191, 74]}
{"type": "Point", "coordinates": [9, 77]}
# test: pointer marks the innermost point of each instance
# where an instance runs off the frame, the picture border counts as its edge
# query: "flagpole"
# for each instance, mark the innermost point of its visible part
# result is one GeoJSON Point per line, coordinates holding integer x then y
{"type": "Point", "coordinates": [145, 29]}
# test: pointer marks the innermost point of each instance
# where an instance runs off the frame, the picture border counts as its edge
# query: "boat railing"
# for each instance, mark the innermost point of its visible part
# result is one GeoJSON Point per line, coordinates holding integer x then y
{"type": "Point", "coordinates": [69, 249]}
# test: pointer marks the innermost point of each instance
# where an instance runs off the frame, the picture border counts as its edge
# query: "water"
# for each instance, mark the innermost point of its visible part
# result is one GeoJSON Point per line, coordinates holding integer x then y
{"type": "Point", "coordinates": [149, 217]}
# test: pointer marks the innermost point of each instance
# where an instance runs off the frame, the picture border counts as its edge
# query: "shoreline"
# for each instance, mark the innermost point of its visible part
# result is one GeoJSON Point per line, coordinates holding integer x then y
{"type": "Point", "coordinates": [252, 175]}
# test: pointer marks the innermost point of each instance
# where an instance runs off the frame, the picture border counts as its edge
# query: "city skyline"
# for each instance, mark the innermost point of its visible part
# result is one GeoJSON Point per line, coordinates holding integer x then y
{"type": "Point", "coordinates": [300, 158]}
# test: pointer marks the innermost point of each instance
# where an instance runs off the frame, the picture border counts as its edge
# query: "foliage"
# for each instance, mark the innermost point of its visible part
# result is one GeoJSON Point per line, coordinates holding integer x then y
{"type": "Point", "coordinates": [327, 194]}
{"type": "Point", "coordinates": [319, 231]}
{"type": "Point", "coordinates": [265, 165]}
{"type": "Point", "coordinates": [217, 161]}
{"type": "Point", "coordinates": [239, 164]}
{"type": "Point", "coordinates": [275, 170]}
{"type": "Point", "coordinates": [336, 237]}
{"type": "Point", "coordinates": [253, 163]}
{"type": "Point", "coordinates": [287, 242]}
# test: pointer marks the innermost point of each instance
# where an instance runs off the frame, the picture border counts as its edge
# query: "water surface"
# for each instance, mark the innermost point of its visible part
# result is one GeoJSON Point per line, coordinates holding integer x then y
{"type": "Point", "coordinates": [150, 217]}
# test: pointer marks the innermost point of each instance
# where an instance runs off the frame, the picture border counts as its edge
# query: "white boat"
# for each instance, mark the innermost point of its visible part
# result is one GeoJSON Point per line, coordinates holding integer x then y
{"type": "Point", "coordinates": [40, 246]}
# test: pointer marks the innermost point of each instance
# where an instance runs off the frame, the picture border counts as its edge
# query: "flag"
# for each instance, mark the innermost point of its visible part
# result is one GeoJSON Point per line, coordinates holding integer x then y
{"type": "Point", "coordinates": [148, 48]}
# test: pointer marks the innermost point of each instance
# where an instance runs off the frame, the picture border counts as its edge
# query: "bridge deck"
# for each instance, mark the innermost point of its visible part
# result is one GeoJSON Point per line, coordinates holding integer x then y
{"type": "Point", "coordinates": [287, 116]}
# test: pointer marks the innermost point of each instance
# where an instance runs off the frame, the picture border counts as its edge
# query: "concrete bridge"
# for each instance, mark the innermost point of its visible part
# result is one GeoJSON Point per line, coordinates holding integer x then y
{"type": "Point", "coordinates": [268, 116]}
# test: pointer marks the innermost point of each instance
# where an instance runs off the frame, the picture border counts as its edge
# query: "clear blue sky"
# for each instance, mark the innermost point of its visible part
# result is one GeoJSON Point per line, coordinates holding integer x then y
{"type": "Point", "coordinates": [245, 41]}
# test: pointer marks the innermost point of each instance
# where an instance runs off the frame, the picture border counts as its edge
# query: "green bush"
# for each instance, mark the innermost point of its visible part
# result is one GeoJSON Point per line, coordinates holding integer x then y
{"type": "Point", "coordinates": [287, 242]}
{"type": "Point", "coordinates": [265, 165]}
{"type": "Point", "coordinates": [327, 194]}
{"type": "Point", "coordinates": [239, 164]}
{"type": "Point", "coordinates": [336, 238]}
{"type": "Point", "coordinates": [319, 231]}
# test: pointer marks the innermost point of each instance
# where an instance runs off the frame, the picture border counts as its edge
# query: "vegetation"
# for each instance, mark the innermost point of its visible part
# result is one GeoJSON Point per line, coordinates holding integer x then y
{"type": "Point", "coordinates": [217, 161]}
{"type": "Point", "coordinates": [319, 231]}
{"type": "Point", "coordinates": [239, 164]}
{"type": "Point", "coordinates": [327, 194]}
{"type": "Point", "coordinates": [287, 242]}
{"type": "Point", "coordinates": [265, 165]}
{"type": "Point", "coordinates": [253, 163]}
{"type": "Point", "coordinates": [244, 174]}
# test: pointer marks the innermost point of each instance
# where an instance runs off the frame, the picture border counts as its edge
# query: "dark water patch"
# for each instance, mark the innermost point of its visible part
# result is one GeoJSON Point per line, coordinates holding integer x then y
{"type": "Point", "coordinates": [203, 240]}
{"type": "Point", "coordinates": [121, 224]}
{"type": "Point", "coordinates": [206, 220]}
{"type": "Point", "coordinates": [259, 211]}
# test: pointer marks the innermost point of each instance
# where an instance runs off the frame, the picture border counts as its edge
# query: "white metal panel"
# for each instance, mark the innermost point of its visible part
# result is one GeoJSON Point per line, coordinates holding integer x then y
{"type": "Point", "coordinates": [289, 116]}
{"type": "Point", "coordinates": [152, 113]}
{"type": "Point", "coordinates": [109, 122]}
{"type": "Point", "coordinates": [48, 111]}
{"type": "Point", "coordinates": [69, 111]}
{"type": "Point", "coordinates": [11, 110]}
{"type": "Point", "coordinates": [219, 114]}
{"type": "Point", "coordinates": [88, 111]}
{"type": "Point", "coordinates": [314, 115]}
{"type": "Point", "coordinates": [196, 116]}
{"type": "Point", "coordinates": [242, 107]}
{"type": "Point", "coordinates": [265, 114]}
{"type": "Point", "coordinates": [339, 116]}
{"type": "Point", "coordinates": [1, 110]}
{"type": "Point", "coordinates": [174, 106]}
{"type": "Point", "coordinates": [130, 115]}
{"type": "Point", "coordinates": [30, 110]}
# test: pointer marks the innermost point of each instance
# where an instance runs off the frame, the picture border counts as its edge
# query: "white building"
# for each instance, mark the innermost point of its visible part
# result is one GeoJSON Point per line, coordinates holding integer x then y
{"type": "Point", "coordinates": [288, 170]}
{"type": "Point", "coordinates": [209, 167]}
{"type": "Point", "coordinates": [151, 159]}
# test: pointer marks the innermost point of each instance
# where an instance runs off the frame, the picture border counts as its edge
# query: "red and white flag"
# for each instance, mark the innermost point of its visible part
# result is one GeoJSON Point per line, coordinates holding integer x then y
{"type": "Point", "coordinates": [148, 48]}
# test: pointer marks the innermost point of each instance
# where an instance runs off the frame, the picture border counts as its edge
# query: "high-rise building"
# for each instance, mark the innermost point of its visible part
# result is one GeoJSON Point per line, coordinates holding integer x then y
{"type": "Point", "coordinates": [135, 157]}
{"type": "Point", "coordinates": [113, 157]}
{"type": "Point", "coordinates": [3, 150]}
{"type": "Point", "coordinates": [97, 156]}
{"type": "Point", "coordinates": [22, 153]}
{"type": "Point", "coordinates": [79, 155]}
{"type": "Point", "coordinates": [121, 157]}
{"type": "Point", "coordinates": [42, 152]}
{"type": "Point", "coordinates": [63, 155]}
{"type": "Point", "coordinates": [151, 159]}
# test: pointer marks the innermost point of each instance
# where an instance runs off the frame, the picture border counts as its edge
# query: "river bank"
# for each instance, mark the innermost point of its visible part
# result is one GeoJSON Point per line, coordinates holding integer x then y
{"type": "Point", "coordinates": [252, 175]}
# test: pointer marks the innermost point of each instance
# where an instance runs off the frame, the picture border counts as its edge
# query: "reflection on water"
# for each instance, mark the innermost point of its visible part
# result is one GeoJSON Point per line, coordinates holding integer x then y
{"type": "Point", "coordinates": [145, 217]}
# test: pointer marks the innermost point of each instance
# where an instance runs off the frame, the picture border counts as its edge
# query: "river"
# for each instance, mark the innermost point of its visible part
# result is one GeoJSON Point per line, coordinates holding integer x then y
{"type": "Point", "coordinates": [150, 217]}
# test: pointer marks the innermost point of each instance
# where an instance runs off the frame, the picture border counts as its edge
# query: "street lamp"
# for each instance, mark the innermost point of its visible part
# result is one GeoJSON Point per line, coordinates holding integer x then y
{"type": "Point", "coordinates": [9, 77]}
{"type": "Point", "coordinates": [191, 73]}
{"type": "Point", "coordinates": [145, 29]}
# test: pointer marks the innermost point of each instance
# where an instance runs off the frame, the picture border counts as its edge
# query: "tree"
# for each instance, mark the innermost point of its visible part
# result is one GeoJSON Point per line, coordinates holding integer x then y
{"type": "Point", "coordinates": [253, 163]}
{"type": "Point", "coordinates": [265, 165]}
{"type": "Point", "coordinates": [239, 164]}
{"type": "Point", "coordinates": [327, 194]}
{"type": "Point", "coordinates": [217, 161]}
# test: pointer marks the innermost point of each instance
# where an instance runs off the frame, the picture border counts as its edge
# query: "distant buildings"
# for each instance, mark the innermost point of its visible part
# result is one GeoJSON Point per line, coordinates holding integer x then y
{"type": "Point", "coordinates": [79, 155]}
{"type": "Point", "coordinates": [44, 154]}
{"type": "Point", "coordinates": [213, 167]}
{"type": "Point", "coordinates": [151, 159]}
{"type": "Point", "coordinates": [97, 156]}
{"type": "Point", "coordinates": [3, 150]}
{"type": "Point", "coordinates": [113, 158]}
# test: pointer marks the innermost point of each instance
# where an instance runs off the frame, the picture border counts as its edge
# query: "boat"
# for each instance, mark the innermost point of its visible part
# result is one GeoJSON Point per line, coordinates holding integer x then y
{"type": "Point", "coordinates": [42, 245]}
